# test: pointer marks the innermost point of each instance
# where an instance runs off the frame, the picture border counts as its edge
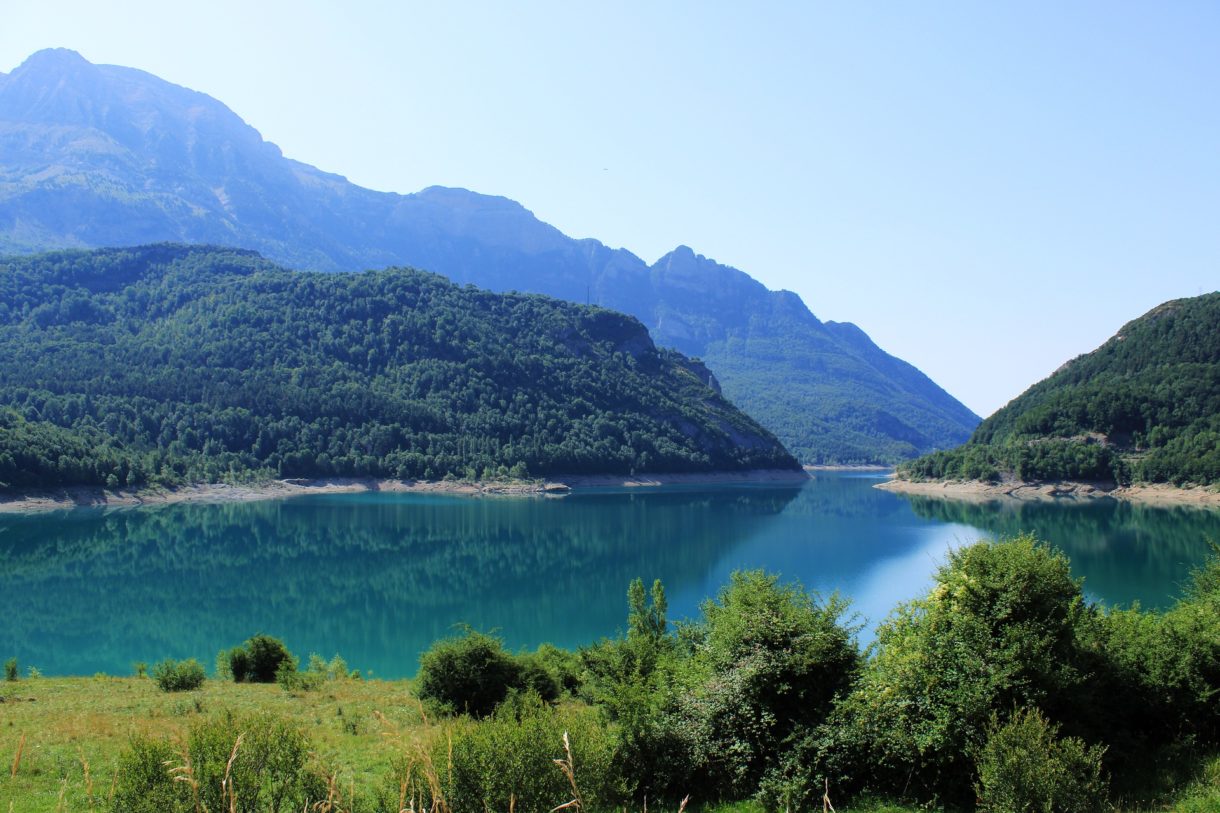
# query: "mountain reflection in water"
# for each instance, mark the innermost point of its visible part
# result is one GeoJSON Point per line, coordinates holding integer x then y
{"type": "Point", "coordinates": [378, 577]}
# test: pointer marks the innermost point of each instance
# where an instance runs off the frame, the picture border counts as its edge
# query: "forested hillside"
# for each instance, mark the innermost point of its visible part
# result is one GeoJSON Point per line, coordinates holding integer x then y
{"type": "Point", "coordinates": [164, 364]}
{"type": "Point", "coordinates": [102, 155]}
{"type": "Point", "coordinates": [1143, 407]}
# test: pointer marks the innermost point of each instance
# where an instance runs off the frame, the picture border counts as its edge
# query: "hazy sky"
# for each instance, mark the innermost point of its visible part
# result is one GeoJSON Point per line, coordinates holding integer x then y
{"type": "Point", "coordinates": [988, 189]}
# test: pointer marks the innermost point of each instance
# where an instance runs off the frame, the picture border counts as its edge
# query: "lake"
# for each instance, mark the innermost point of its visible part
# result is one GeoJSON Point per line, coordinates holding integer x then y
{"type": "Point", "coordinates": [378, 577]}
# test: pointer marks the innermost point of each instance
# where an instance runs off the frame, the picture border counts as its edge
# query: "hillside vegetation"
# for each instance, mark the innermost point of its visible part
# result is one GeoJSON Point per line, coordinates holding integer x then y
{"type": "Point", "coordinates": [164, 364]}
{"type": "Point", "coordinates": [102, 155]}
{"type": "Point", "coordinates": [1143, 407]}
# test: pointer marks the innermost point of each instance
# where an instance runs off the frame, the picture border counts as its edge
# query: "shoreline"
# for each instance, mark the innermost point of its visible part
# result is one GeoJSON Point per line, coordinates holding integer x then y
{"type": "Point", "coordinates": [39, 500]}
{"type": "Point", "coordinates": [978, 492]}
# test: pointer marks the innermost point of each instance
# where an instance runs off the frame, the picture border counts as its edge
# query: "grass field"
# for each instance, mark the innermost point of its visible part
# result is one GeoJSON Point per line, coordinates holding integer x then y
{"type": "Point", "coordinates": [60, 738]}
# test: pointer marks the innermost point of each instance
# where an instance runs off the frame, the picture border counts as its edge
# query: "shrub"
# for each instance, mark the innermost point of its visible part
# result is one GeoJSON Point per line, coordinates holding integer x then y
{"type": "Point", "coordinates": [10, 670]}
{"type": "Point", "coordinates": [635, 681]}
{"type": "Point", "coordinates": [470, 673]}
{"type": "Point", "coordinates": [142, 783]}
{"type": "Point", "coordinates": [1026, 768]}
{"type": "Point", "coordinates": [258, 660]}
{"type": "Point", "coordinates": [563, 665]}
{"type": "Point", "coordinates": [317, 674]}
{"type": "Point", "coordinates": [998, 631]}
{"type": "Point", "coordinates": [178, 676]}
{"type": "Point", "coordinates": [507, 761]}
{"type": "Point", "coordinates": [775, 658]}
{"type": "Point", "coordinates": [269, 770]}
{"type": "Point", "coordinates": [535, 676]}
{"type": "Point", "coordinates": [1163, 670]}
{"type": "Point", "coordinates": [334, 669]}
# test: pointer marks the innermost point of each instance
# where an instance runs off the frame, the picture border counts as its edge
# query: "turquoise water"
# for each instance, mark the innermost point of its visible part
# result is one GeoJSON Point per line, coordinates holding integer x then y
{"type": "Point", "coordinates": [377, 577]}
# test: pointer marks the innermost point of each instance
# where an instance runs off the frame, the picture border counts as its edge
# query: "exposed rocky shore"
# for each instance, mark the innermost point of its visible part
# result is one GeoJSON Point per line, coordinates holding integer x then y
{"type": "Point", "coordinates": [976, 491]}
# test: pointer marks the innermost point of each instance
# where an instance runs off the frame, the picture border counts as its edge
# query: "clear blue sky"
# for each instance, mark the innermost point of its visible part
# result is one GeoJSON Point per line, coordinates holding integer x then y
{"type": "Point", "coordinates": [988, 189]}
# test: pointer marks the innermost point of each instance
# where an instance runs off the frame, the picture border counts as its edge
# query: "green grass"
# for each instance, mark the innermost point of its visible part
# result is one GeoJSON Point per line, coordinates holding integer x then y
{"type": "Point", "coordinates": [70, 732]}
{"type": "Point", "coordinates": [62, 725]}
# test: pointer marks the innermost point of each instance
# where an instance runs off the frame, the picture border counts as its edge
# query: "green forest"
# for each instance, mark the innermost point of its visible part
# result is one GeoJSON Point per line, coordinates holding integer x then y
{"type": "Point", "coordinates": [165, 364]}
{"type": "Point", "coordinates": [1144, 407]}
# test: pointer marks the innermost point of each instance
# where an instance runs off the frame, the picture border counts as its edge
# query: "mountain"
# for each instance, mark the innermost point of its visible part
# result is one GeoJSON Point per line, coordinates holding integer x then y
{"type": "Point", "coordinates": [99, 155]}
{"type": "Point", "coordinates": [1143, 407]}
{"type": "Point", "coordinates": [166, 363]}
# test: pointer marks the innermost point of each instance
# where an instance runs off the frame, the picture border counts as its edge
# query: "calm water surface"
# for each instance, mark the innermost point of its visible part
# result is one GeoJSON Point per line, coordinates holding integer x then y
{"type": "Point", "coordinates": [377, 577]}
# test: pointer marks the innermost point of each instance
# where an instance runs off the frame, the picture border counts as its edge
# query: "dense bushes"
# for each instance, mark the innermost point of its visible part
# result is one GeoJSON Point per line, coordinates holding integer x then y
{"type": "Point", "coordinates": [996, 632]}
{"type": "Point", "coordinates": [178, 676]}
{"type": "Point", "coordinates": [771, 660]}
{"type": "Point", "coordinates": [248, 765]}
{"type": "Point", "coordinates": [258, 660]}
{"type": "Point", "coordinates": [508, 760]}
{"type": "Point", "coordinates": [1025, 767]}
{"type": "Point", "coordinates": [471, 673]}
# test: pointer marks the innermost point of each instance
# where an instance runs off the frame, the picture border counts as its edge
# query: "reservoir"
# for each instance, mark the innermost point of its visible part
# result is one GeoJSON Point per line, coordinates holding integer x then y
{"type": "Point", "coordinates": [378, 577]}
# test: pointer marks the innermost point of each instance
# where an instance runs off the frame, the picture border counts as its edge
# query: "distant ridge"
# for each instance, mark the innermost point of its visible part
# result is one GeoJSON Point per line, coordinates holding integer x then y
{"type": "Point", "coordinates": [99, 155]}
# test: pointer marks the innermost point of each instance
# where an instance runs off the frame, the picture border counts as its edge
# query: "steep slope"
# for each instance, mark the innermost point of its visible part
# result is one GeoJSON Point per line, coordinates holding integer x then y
{"type": "Point", "coordinates": [1144, 407]}
{"type": "Point", "coordinates": [168, 363]}
{"type": "Point", "coordinates": [99, 155]}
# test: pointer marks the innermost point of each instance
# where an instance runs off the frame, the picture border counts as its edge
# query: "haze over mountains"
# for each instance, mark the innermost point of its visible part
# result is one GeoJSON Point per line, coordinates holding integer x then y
{"type": "Point", "coordinates": [94, 155]}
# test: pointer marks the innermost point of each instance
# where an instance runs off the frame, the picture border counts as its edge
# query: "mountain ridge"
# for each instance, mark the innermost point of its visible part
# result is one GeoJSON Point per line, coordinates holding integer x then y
{"type": "Point", "coordinates": [153, 161]}
{"type": "Point", "coordinates": [167, 364]}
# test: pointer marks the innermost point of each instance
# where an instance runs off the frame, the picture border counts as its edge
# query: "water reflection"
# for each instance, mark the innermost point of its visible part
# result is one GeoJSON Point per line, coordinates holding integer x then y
{"type": "Point", "coordinates": [377, 577]}
{"type": "Point", "coordinates": [1126, 552]}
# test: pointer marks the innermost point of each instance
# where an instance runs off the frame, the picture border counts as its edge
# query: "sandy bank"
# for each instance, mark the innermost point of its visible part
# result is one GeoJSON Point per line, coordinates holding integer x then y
{"type": "Point", "coordinates": [58, 499]}
{"type": "Point", "coordinates": [224, 493]}
{"type": "Point", "coordinates": [974, 491]}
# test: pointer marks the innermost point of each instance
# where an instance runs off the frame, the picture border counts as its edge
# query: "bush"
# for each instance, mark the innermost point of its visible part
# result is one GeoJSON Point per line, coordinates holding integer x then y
{"type": "Point", "coordinates": [776, 658]}
{"type": "Point", "coordinates": [537, 677]}
{"type": "Point", "coordinates": [507, 761]}
{"type": "Point", "coordinates": [1026, 768]}
{"type": "Point", "coordinates": [178, 676]}
{"type": "Point", "coordinates": [318, 673]}
{"type": "Point", "coordinates": [470, 673]}
{"type": "Point", "coordinates": [1163, 670]}
{"type": "Point", "coordinates": [562, 666]}
{"type": "Point", "coordinates": [258, 660]}
{"type": "Point", "coordinates": [269, 770]}
{"type": "Point", "coordinates": [10, 670]}
{"type": "Point", "coordinates": [142, 782]}
{"type": "Point", "coordinates": [998, 631]}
